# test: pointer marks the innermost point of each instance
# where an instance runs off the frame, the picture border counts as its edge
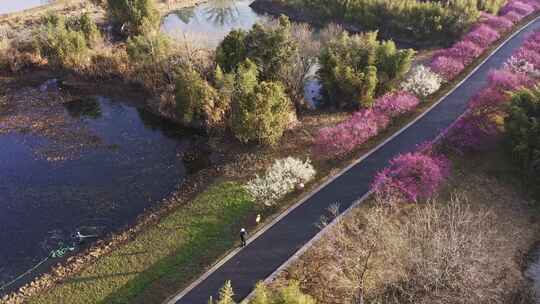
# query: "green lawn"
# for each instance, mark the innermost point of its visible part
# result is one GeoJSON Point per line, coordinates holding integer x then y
{"type": "Point", "coordinates": [166, 256]}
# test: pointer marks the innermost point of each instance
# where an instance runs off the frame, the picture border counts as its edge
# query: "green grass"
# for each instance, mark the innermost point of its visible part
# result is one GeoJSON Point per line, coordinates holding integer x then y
{"type": "Point", "coordinates": [166, 256]}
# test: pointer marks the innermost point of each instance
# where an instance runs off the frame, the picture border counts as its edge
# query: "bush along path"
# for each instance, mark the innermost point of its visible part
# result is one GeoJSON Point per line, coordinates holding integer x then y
{"type": "Point", "coordinates": [267, 252]}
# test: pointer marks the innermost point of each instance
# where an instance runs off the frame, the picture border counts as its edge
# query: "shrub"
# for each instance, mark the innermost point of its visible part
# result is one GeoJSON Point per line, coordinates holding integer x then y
{"type": "Point", "coordinates": [350, 134]}
{"type": "Point", "coordinates": [472, 133]}
{"type": "Point", "coordinates": [260, 111]}
{"type": "Point", "coordinates": [61, 46]}
{"type": "Point", "coordinates": [280, 179]}
{"type": "Point", "coordinates": [521, 66]}
{"type": "Point", "coordinates": [498, 23]}
{"type": "Point", "coordinates": [198, 103]}
{"type": "Point", "coordinates": [133, 17]}
{"type": "Point", "coordinates": [430, 253]}
{"type": "Point", "coordinates": [86, 25]}
{"type": "Point", "coordinates": [513, 16]}
{"type": "Point", "coordinates": [491, 6]}
{"type": "Point", "coordinates": [149, 48]}
{"type": "Point", "coordinates": [149, 53]}
{"type": "Point", "coordinates": [465, 51]}
{"type": "Point", "coordinates": [298, 68]}
{"type": "Point", "coordinates": [232, 50]}
{"type": "Point", "coordinates": [396, 103]}
{"type": "Point", "coordinates": [508, 81]}
{"type": "Point", "coordinates": [447, 67]}
{"type": "Point", "coordinates": [523, 128]}
{"type": "Point", "coordinates": [528, 55]}
{"type": "Point", "coordinates": [354, 67]}
{"type": "Point", "coordinates": [268, 46]}
{"type": "Point", "coordinates": [226, 294]}
{"type": "Point", "coordinates": [422, 81]}
{"type": "Point", "coordinates": [412, 176]}
{"type": "Point", "coordinates": [482, 35]}
{"type": "Point", "coordinates": [517, 6]}
{"type": "Point", "coordinates": [431, 22]}
{"type": "Point", "coordinates": [488, 100]}
{"type": "Point", "coordinates": [288, 294]}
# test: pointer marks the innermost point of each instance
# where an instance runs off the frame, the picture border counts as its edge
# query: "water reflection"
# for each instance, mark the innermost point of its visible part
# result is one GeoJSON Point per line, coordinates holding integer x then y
{"type": "Point", "coordinates": [222, 13]}
{"type": "Point", "coordinates": [12, 6]}
{"type": "Point", "coordinates": [86, 107]}
{"type": "Point", "coordinates": [211, 21]}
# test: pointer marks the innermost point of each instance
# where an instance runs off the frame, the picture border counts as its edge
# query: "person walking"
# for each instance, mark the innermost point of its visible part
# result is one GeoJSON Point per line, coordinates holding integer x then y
{"type": "Point", "coordinates": [243, 236]}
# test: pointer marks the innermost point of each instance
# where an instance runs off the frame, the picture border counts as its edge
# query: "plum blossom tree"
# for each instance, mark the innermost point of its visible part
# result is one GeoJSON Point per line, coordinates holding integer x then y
{"type": "Point", "coordinates": [396, 103]}
{"type": "Point", "coordinates": [346, 136]}
{"type": "Point", "coordinates": [447, 67]}
{"type": "Point", "coordinates": [412, 176]}
{"type": "Point", "coordinates": [422, 81]}
{"type": "Point", "coordinates": [482, 35]}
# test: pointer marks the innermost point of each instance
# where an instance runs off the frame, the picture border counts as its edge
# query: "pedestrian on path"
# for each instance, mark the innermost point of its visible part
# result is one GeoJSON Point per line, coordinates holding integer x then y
{"type": "Point", "coordinates": [243, 235]}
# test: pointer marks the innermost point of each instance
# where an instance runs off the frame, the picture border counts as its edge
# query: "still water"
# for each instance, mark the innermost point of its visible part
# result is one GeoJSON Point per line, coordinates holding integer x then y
{"type": "Point", "coordinates": [12, 6]}
{"type": "Point", "coordinates": [210, 22]}
{"type": "Point", "coordinates": [135, 161]}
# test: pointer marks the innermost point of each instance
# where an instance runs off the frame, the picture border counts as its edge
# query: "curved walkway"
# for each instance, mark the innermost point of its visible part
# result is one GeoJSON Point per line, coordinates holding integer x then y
{"type": "Point", "coordinates": [267, 252]}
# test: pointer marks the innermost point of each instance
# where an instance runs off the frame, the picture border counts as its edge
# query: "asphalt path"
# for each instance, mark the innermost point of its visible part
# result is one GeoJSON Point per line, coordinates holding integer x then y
{"type": "Point", "coordinates": [264, 254]}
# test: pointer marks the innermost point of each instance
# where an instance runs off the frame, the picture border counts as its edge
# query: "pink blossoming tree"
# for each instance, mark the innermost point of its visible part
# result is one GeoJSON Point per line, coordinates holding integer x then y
{"type": "Point", "coordinates": [412, 176]}
{"type": "Point", "coordinates": [483, 36]}
{"type": "Point", "coordinates": [396, 103]}
{"type": "Point", "coordinates": [447, 67]}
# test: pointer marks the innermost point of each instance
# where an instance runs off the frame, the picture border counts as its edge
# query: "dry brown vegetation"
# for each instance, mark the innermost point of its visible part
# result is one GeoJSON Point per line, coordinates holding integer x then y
{"type": "Point", "coordinates": [467, 246]}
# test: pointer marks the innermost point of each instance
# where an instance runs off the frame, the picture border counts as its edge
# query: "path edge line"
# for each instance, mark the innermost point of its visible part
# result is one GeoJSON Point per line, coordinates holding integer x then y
{"type": "Point", "coordinates": [295, 256]}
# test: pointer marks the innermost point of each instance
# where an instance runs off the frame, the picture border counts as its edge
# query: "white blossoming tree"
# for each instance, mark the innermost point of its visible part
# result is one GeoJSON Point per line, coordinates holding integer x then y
{"type": "Point", "coordinates": [281, 178]}
{"type": "Point", "coordinates": [422, 81]}
{"type": "Point", "coordinates": [517, 65]}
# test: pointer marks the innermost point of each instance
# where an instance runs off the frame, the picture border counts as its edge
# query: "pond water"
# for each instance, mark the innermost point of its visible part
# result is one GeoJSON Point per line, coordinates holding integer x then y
{"type": "Point", "coordinates": [136, 163]}
{"type": "Point", "coordinates": [12, 6]}
{"type": "Point", "coordinates": [210, 22]}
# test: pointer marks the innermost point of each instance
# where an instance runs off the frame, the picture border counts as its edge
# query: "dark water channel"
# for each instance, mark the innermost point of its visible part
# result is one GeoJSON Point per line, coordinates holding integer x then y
{"type": "Point", "coordinates": [137, 162]}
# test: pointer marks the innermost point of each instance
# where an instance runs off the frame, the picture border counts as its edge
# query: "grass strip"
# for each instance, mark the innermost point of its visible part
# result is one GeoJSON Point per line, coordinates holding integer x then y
{"type": "Point", "coordinates": [164, 256]}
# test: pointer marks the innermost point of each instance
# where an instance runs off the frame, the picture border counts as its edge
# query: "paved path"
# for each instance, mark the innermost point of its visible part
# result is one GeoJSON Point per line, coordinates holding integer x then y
{"type": "Point", "coordinates": [275, 246]}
